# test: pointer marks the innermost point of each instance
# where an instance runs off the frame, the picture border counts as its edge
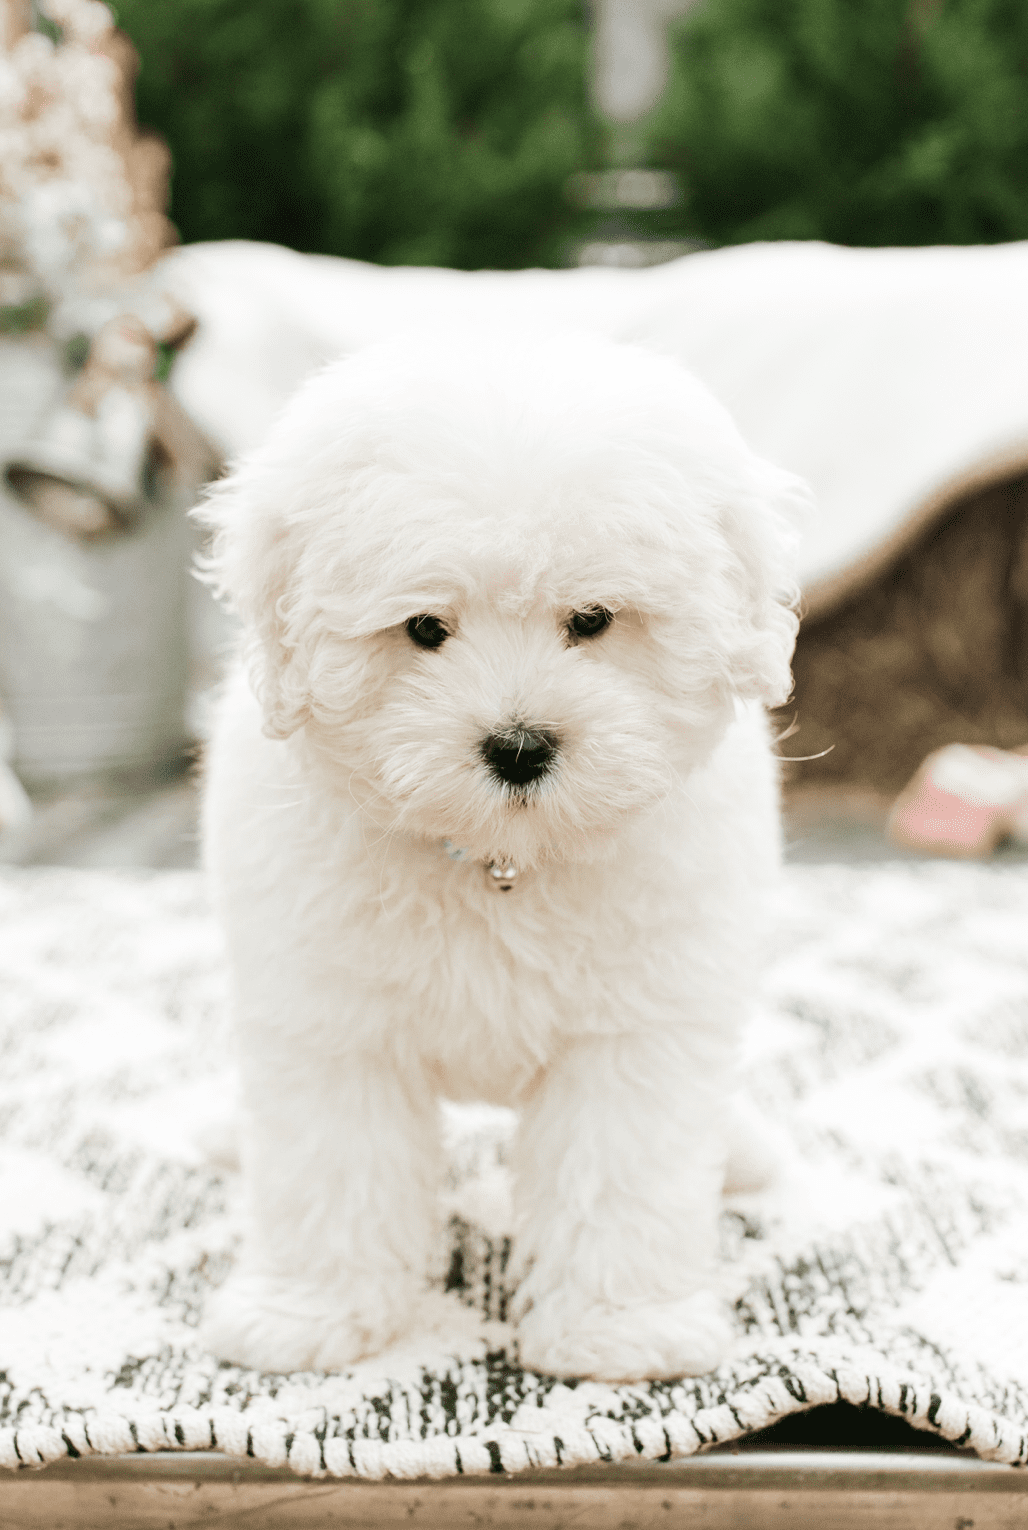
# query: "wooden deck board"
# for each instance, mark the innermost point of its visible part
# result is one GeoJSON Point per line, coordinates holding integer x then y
{"type": "Point", "coordinates": [724, 1491]}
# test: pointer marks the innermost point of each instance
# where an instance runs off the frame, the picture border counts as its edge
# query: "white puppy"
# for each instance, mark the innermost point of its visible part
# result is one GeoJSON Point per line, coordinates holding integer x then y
{"type": "Point", "coordinates": [496, 828]}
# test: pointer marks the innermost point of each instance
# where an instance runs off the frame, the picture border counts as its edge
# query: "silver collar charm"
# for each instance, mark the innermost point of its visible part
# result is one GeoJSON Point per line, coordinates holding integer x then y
{"type": "Point", "coordinates": [501, 878]}
{"type": "Point", "coordinates": [498, 877]}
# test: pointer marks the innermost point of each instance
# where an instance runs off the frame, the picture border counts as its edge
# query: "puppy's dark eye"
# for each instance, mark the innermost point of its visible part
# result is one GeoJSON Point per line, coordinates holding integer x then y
{"type": "Point", "coordinates": [590, 622]}
{"type": "Point", "coordinates": [426, 631]}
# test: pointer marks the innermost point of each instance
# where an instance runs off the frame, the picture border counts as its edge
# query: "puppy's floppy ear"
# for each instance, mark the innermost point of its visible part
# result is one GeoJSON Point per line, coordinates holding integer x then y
{"type": "Point", "coordinates": [251, 565]}
{"type": "Point", "coordinates": [762, 526]}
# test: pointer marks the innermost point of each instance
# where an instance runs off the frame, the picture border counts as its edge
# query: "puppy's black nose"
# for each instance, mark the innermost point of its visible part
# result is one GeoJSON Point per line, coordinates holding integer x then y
{"type": "Point", "coordinates": [520, 755]}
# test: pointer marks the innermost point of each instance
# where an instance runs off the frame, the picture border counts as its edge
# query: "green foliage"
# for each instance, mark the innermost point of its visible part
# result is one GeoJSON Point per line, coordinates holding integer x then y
{"type": "Point", "coordinates": [20, 318]}
{"type": "Point", "coordinates": [864, 122]}
{"type": "Point", "coordinates": [437, 132]}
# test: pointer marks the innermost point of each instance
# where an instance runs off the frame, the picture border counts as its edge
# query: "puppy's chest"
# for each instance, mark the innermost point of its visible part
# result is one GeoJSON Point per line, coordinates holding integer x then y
{"type": "Point", "coordinates": [487, 994]}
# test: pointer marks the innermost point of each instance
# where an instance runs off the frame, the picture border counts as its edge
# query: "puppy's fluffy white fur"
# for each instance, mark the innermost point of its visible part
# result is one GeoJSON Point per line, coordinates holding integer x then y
{"type": "Point", "coordinates": [500, 484]}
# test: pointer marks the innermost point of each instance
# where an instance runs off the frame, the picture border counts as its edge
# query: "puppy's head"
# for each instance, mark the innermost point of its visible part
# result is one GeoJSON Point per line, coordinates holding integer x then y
{"type": "Point", "coordinates": [508, 588]}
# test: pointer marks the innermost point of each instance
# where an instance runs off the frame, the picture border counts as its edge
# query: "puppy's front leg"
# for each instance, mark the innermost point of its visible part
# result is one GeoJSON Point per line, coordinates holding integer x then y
{"type": "Point", "coordinates": [340, 1158]}
{"type": "Point", "coordinates": [621, 1162]}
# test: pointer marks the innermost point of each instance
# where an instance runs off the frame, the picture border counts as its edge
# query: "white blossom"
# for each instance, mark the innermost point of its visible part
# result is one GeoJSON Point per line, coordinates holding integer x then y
{"type": "Point", "coordinates": [69, 223]}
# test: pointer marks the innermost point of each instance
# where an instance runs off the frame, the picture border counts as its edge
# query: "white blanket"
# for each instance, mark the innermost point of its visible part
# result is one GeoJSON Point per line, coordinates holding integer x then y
{"type": "Point", "coordinates": [889, 1266]}
{"type": "Point", "coordinates": [892, 380]}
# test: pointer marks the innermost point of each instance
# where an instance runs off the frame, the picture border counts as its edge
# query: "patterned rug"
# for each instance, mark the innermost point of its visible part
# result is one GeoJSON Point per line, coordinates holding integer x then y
{"type": "Point", "coordinates": [889, 1266]}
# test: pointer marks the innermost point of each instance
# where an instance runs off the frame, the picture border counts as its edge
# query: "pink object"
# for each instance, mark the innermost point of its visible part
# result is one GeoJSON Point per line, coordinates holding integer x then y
{"type": "Point", "coordinates": [963, 800]}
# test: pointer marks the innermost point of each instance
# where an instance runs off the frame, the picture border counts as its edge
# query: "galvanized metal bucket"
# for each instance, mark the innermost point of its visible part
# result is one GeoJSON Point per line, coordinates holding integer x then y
{"type": "Point", "coordinates": [94, 650]}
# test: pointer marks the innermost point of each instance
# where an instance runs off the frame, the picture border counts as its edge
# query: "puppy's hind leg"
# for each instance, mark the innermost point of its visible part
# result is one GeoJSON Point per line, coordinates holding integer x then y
{"type": "Point", "coordinates": [340, 1161]}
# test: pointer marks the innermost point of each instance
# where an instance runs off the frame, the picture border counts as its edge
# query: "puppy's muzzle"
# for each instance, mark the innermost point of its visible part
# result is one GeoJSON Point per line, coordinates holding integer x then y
{"type": "Point", "coordinates": [520, 755]}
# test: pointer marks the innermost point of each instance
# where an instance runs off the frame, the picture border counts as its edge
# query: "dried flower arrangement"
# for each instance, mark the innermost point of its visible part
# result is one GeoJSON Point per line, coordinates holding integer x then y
{"type": "Point", "coordinates": [92, 445]}
{"type": "Point", "coordinates": [82, 190]}
{"type": "Point", "coordinates": [82, 193]}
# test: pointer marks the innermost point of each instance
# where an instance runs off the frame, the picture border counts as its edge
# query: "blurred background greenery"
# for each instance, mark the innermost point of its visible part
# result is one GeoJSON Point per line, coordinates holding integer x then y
{"type": "Point", "coordinates": [446, 132]}
{"type": "Point", "coordinates": [422, 132]}
{"type": "Point", "coordinates": [863, 122]}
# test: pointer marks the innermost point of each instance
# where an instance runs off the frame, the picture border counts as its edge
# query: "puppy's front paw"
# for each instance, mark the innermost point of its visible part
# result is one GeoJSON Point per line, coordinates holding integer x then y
{"type": "Point", "coordinates": [652, 1339]}
{"type": "Point", "coordinates": [280, 1325]}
